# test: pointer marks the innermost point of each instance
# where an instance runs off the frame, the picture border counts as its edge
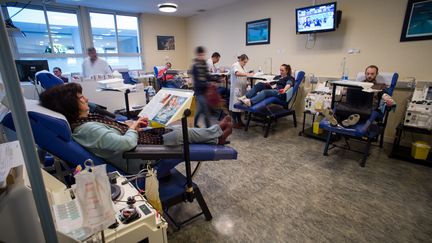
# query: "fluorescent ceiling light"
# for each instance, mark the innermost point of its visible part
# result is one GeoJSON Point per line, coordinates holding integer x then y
{"type": "Point", "coordinates": [167, 7]}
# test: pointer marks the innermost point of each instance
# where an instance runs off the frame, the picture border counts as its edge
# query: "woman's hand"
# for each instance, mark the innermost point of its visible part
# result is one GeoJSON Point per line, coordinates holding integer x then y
{"type": "Point", "coordinates": [282, 91]}
{"type": "Point", "coordinates": [138, 124]}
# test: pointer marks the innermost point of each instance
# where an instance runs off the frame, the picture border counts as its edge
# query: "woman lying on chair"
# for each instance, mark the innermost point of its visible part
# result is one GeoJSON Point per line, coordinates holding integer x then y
{"type": "Point", "coordinates": [109, 139]}
{"type": "Point", "coordinates": [261, 90]}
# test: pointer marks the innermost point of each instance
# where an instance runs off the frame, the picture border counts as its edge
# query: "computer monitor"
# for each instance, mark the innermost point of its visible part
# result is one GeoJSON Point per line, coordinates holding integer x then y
{"type": "Point", "coordinates": [318, 18]}
{"type": "Point", "coordinates": [28, 68]}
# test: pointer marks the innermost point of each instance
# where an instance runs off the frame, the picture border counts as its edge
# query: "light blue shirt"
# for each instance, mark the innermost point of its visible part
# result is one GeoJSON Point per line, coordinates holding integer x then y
{"type": "Point", "coordinates": [107, 142]}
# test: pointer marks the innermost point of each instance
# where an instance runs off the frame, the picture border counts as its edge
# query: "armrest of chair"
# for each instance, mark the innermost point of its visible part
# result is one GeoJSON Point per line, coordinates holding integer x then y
{"type": "Point", "coordinates": [155, 152]}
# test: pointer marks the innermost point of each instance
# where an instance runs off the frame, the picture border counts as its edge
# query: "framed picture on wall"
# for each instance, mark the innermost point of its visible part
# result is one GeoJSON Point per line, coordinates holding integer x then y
{"type": "Point", "coordinates": [165, 42]}
{"type": "Point", "coordinates": [258, 32]}
{"type": "Point", "coordinates": [418, 21]}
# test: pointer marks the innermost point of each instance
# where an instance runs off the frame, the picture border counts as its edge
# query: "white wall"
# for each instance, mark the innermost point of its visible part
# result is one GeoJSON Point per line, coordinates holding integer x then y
{"type": "Point", "coordinates": [372, 26]}
{"type": "Point", "coordinates": [154, 25]}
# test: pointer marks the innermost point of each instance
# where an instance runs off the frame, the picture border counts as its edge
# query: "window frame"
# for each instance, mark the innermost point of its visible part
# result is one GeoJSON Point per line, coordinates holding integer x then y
{"type": "Point", "coordinates": [54, 8]}
{"type": "Point", "coordinates": [85, 29]}
{"type": "Point", "coordinates": [115, 13]}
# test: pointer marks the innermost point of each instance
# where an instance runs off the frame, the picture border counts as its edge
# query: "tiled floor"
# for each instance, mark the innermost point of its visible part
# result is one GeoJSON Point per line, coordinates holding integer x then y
{"type": "Point", "coordinates": [281, 189]}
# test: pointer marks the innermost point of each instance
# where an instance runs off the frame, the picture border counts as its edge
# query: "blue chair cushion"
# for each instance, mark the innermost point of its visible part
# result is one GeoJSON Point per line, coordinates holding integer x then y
{"type": "Point", "coordinates": [127, 79]}
{"type": "Point", "coordinates": [48, 80]}
{"type": "Point", "coordinates": [261, 106]}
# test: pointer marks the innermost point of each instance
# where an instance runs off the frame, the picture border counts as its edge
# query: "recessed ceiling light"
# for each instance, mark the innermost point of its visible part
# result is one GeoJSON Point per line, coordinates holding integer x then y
{"type": "Point", "coordinates": [167, 7]}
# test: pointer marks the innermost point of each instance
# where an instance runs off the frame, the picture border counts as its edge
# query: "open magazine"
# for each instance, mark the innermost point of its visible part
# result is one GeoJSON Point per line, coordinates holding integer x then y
{"type": "Point", "coordinates": [167, 106]}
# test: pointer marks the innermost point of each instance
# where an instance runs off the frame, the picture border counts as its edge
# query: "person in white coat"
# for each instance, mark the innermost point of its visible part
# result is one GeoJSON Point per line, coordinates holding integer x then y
{"type": "Point", "coordinates": [238, 87]}
{"type": "Point", "coordinates": [211, 62]}
{"type": "Point", "coordinates": [93, 65]}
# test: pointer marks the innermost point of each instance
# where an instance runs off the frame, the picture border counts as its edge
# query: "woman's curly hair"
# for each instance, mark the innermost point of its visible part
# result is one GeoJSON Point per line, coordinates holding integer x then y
{"type": "Point", "coordinates": [63, 99]}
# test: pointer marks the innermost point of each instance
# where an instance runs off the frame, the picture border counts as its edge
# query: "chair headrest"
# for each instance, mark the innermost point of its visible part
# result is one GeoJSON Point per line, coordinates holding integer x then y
{"type": "Point", "coordinates": [33, 105]}
{"type": "Point", "coordinates": [157, 68]}
{"type": "Point", "coordinates": [382, 78]}
{"type": "Point", "coordinates": [47, 79]}
{"type": "Point", "coordinates": [297, 73]}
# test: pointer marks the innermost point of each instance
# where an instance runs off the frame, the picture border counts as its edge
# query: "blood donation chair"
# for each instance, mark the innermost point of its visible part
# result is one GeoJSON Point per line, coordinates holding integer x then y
{"type": "Point", "coordinates": [371, 126]}
{"type": "Point", "coordinates": [52, 133]}
{"type": "Point", "coordinates": [271, 109]}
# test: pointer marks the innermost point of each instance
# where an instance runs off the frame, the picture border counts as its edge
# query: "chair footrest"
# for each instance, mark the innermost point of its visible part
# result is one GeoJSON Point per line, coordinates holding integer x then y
{"type": "Point", "coordinates": [211, 152]}
{"type": "Point", "coordinates": [152, 152]}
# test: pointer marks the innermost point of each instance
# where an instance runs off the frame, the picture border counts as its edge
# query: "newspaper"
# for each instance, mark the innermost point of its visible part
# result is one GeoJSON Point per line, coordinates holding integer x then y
{"type": "Point", "coordinates": [167, 106]}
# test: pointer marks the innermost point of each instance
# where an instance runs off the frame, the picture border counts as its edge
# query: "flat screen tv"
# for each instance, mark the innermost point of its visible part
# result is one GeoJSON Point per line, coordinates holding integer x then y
{"type": "Point", "coordinates": [28, 68]}
{"type": "Point", "coordinates": [318, 18]}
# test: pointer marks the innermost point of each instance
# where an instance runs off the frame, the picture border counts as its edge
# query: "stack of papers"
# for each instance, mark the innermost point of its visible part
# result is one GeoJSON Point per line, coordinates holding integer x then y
{"type": "Point", "coordinates": [110, 83]}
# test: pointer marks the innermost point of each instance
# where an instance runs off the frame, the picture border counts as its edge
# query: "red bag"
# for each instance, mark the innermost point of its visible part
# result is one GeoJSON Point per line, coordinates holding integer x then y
{"type": "Point", "coordinates": [212, 96]}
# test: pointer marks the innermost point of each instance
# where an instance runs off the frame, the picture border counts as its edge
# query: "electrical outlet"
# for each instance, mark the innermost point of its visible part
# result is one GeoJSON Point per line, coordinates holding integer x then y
{"type": "Point", "coordinates": [410, 85]}
{"type": "Point", "coordinates": [353, 51]}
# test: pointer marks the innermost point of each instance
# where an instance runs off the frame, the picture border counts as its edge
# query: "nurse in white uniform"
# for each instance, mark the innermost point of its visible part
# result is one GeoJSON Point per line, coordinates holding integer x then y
{"type": "Point", "coordinates": [238, 87]}
{"type": "Point", "coordinates": [211, 62]}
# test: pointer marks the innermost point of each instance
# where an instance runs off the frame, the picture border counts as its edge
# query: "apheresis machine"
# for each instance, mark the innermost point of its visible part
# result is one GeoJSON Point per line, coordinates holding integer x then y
{"type": "Point", "coordinates": [419, 110]}
{"type": "Point", "coordinates": [319, 99]}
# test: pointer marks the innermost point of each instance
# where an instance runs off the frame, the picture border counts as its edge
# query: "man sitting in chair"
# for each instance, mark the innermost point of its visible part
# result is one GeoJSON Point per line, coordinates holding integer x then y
{"type": "Point", "coordinates": [359, 102]}
{"type": "Point", "coordinates": [261, 90]}
{"type": "Point", "coordinates": [109, 139]}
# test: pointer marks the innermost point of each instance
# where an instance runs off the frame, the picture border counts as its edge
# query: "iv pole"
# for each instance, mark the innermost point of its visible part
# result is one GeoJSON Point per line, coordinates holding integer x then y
{"type": "Point", "coordinates": [25, 135]}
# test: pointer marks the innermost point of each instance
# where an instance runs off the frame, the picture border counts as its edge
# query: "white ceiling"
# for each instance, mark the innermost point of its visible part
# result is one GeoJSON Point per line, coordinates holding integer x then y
{"type": "Point", "coordinates": [186, 8]}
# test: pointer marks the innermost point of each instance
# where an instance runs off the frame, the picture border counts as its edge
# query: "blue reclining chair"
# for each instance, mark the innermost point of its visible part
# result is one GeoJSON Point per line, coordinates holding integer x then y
{"type": "Point", "coordinates": [273, 108]}
{"type": "Point", "coordinates": [127, 79]}
{"type": "Point", "coordinates": [47, 79]}
{"type": "Point", "coordinates": [370, 129]}
{"type": "Point", "coordinates": [52, 133]}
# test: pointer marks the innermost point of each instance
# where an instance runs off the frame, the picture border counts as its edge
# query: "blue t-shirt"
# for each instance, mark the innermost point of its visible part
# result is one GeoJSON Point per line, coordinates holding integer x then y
{"type": "Point", "coordinates": [282, 82]}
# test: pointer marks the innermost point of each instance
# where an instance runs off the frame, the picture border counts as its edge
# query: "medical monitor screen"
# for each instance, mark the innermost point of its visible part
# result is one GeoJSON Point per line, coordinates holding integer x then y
{"type": "Point", "coordinates": [318, 18]}
{"type": "Point", "coordinates": [28, 68]}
